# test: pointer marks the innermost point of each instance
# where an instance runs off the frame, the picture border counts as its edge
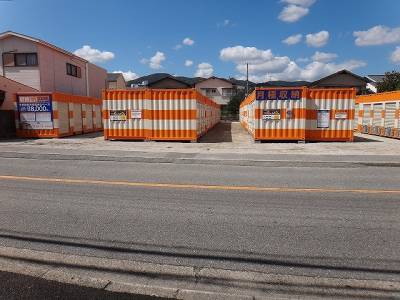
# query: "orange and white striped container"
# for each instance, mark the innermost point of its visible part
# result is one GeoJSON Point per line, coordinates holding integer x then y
{"type": "Point", "coordinates": [300, 114]}
{"type": "Point", "coordinates": [54, 115]}
{"type": "Point", "coordinates": [152, 114]}
{"type": "Point", "coordinates": [379, 114]}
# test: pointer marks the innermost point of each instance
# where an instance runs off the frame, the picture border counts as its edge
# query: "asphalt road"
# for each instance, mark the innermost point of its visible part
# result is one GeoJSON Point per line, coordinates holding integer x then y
{"type": "Point", "coordinates": [256, 218]}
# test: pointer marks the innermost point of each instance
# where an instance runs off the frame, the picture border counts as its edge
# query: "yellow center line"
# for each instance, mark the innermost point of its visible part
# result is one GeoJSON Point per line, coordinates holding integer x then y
{"type": "Point", "coordinates": [196, 186]}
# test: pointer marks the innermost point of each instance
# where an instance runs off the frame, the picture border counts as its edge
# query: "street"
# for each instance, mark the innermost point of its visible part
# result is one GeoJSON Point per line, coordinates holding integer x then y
{"type": "Point", "coordinates": [336, 222]}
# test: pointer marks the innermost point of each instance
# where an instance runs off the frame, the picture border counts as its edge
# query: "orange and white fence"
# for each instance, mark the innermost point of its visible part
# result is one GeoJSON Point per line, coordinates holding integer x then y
{"type": "Point", "coordinates": [182, 114]}
{"type": "Point", "coordinates": [299, 114]}
{"type": "Point", "coordinates": [379, 114]}
{"type": "Point", "coordinates": [54, 115]}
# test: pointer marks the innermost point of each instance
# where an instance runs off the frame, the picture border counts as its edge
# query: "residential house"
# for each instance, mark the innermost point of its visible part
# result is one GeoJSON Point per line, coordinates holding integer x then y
{"type": "Point", "coordinates": [219, 89]}
{"type": "Point", "coordinates": [116, 81]}
{"type": "Point", "coordinates": [48, 68]}
{"type": "Point", "coordinates": [374, 80]}
{"type": "Point", "coordinates": [342, 79]}
{"type": "Point", "coordinates": [159, 81]}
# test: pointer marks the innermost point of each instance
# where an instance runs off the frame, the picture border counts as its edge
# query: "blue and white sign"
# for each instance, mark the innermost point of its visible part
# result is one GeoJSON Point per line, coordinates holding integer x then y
{"type": "Point", "coordinates": [278, 94]}
{"type": "Point", "coordinates": [35, 112]}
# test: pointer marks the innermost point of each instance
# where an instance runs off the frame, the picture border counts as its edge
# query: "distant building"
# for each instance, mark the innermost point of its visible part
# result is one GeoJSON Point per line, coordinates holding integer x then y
{"type": "Point", "coordinates": [47, 68]}
{"type": "Point", "coordinates": [342, 79]}
{"type": "Point", "coordinates": [374, 80]}
{"type": "Point", "coordinates": [116, 81]}
{"type": "Point", "coordinates": [219, 89]}
{"type": "Point", "coordinates": [159, 81]}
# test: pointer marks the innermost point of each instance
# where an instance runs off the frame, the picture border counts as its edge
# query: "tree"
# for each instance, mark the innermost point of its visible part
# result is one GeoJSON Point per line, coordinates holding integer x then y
{"type": "Point", "coordinates": [391, 82]}
{"type": "Point", "coordinates": [234, 103]}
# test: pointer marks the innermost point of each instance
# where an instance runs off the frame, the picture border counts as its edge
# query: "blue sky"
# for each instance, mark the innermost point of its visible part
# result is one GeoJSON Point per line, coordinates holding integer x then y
{"type": "Point", "coordinates": [143, 37]}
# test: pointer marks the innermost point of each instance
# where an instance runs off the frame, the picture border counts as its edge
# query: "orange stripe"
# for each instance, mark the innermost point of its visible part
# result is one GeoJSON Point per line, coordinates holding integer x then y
{"type": "Point", "coordinates": [297, 113]}
{"type": "Point", "coordinates": [326, 135]}
{"type": "Point", "coordinates": [55, 114]}
{"type": "Point", "coordinates": [170, 114]}
{"type": "Point", "coordinates": [161, 114]}
{"type": "Point", "coordinates": [142, 134]}
{"type": "Point", "coordinates": [379, 97]}
{"type": "Point", "coordinates": [300, 113]}
{"type": "Point", "coordinates": [83, 114]}
{"type": "Point", "coordinates": [70, 114]}
{"type": "Point", "coordinates": [279, 134]}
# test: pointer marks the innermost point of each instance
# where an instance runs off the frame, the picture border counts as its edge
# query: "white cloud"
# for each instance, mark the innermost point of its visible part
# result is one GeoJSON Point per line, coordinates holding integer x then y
{"type": "Point", "coordinates": [240, 54]}
{"type": "Point", "coordinates": [377, 35]}
{"type": "Point", "coordinates": [94, 55]}
{"type": "Point", "coordinates": [128, 75]}
{"type": "Point", "coordinates": [177, 47]}
{"type": "Point", "coordinates": [304, 3]}
{"type": "Point", "coordinates": [188, 42]}
{"type": "Point", "coordinates": [293, 39]}
{"type": "Point", "coordinates": [395, 57]}
{"type": "Point", "coordinates": [188, 63]}
{"type": "Point", "coordinates": [155, 62]}
{"type": "Point", "coordinates": [318, 39]}
{"type": "Point", "coordinates": [324, 56]}
{"type": "Point", "coordinates": [264, 66]}
{"type": "Point", "coordinates": [295, 10]}
{"type": "Point", "coordinates": [204, 70]}
{"type": "Point", "coordinates": [293, 13]}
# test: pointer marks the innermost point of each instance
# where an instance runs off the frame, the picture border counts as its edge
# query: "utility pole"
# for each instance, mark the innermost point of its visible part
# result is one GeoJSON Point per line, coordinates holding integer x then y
{"type": "Point", "coordinates": [247, 79]}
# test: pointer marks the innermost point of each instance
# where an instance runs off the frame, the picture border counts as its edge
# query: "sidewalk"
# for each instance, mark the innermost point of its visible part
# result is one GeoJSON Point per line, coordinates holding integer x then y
{"type": "Point", "coordinates": [227, 144]}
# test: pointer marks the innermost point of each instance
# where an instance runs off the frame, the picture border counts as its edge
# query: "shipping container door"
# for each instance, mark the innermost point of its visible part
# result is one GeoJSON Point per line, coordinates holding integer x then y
{"type": "Point", "coordinates": [63, 117]}
{"type": "Point", "coordinates": [78, 124]}
{"type": "Point", "coordinates": [377, 118]}
{"type": "Point", "coordinates": [390, 115]}
{"type": "Point", "coordinates": [89, 117]}
{"type": "Point", "coordinates": [356, 116]}
{"type": "Point", "coordinates": [367, 114]}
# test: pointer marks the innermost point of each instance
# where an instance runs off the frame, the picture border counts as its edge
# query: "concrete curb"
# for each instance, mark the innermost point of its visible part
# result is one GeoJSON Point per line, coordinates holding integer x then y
{"type": "Point", "coordinates": [183, 160]}
{"type": "Point", "coordinates": [182, 282]}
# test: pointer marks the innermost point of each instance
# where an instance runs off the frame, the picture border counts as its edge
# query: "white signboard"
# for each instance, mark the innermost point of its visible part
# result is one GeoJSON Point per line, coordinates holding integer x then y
{"type": "Point", "coordinates": [341, 115]}
{"type": "Point", "coordinates": [271, 114]}
{"type": "Point", "coordinates": [323, 118]}
{"type": "Point", "coordinates": [136, 114]}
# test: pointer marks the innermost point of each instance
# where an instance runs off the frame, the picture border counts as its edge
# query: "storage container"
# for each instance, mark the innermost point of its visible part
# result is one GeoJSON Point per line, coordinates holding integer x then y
{"type": "Point", "coordinates": [181, 114]}
{"type": "Point", "coordinates": [53, 115]}
{"type": "Point", "coordinates": [379, 114]}
{"type": "Point", "coordinates": [299, 114]}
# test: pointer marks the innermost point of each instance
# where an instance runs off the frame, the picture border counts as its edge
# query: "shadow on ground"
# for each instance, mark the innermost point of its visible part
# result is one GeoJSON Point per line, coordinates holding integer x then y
{"type": "Point", "coordinates": [221, 133]}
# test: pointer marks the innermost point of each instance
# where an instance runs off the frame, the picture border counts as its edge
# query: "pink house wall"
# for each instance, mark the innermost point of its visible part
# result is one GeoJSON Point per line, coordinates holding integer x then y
{"type": "Point", "coordinates": [12, 87]}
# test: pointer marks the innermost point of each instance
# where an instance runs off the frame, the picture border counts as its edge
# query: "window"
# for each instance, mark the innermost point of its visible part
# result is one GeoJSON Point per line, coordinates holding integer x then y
{"type": "Point", "coordinates": [20, 59]}
{"type": "Point", "coordinates": [73, 70]}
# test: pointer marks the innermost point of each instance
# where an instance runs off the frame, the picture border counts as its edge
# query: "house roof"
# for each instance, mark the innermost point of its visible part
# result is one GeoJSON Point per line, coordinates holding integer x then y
{"type": "Point", "coordinates": [281, 83]}
{"type": "Point", "coordinates": [366, 80]}
{"type": "Point", "coordinates": [215, 77]}
{"type": "Point", "coordinates": [376, 78]}
{"type": "Point", "coordinates": [153, 78]}
{"type": "Point", "coordinates": [39, 41]}
{"type": "Point", "coordinates": [114, 76]}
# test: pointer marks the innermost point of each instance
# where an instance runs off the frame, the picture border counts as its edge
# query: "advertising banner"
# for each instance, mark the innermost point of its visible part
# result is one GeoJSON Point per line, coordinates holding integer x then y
{"type": "Point", "coordinates": [118, 115]}
{"type": "Point", "coordinates": [35, 111]}
{"type": "Point", "coordinates": [271, 114]}
{"type": "Point", "coordinates": [278, 94]}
